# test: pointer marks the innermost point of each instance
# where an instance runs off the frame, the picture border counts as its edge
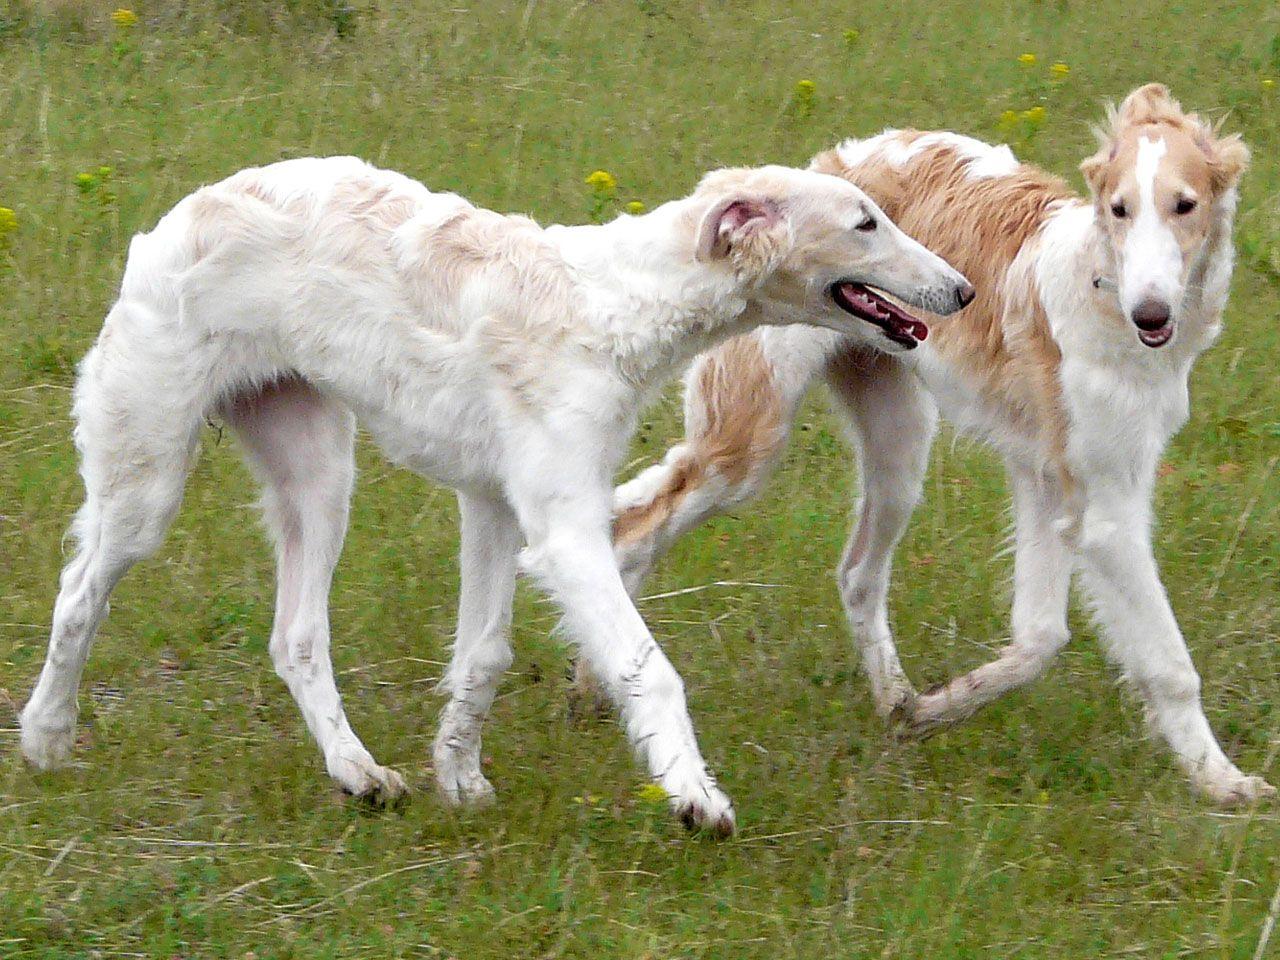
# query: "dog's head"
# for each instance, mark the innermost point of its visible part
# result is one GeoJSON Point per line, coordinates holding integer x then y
{"type": "Point", "coordinates": [1163, 182]}
{"type": "Point", "coordinates": [813, 248]}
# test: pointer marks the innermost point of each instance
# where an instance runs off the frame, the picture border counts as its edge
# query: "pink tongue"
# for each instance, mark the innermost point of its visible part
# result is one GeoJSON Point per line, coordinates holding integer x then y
{"type": "Point", "coordinates": [899, 320]}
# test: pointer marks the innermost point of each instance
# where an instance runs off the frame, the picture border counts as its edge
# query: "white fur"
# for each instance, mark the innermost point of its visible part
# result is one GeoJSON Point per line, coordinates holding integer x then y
{"type": "Point", "coordinates": [1125, 400]}
{"type": "Point", "coordinates": [506, 360]}
{"type": "Point", "coordinates": [984, 159]}
{"type": "Point", "coordinates": [1152, 258]}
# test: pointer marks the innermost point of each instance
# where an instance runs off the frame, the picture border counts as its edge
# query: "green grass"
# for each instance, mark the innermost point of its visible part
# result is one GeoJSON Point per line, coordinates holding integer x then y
{"type": "Point", "coordinates": [198, 821]}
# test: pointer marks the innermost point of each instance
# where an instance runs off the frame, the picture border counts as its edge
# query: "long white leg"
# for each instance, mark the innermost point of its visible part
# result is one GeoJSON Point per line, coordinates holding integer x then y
{"type": "Point", "coordinates": [893, 422]}
{"type": "Point", "coordinates": [740, 405]}
{"type": "Point", "coordinates": [1142, 635]}
{"type": "Point", "coordinates": [135, 456]}
{"type": "Point", "coordinates": [1042, 583]}
{"type": "Point", "coordinates": [300, 445]}
{"type": "Point", "coordinates": [482, 651]}
{"type": "Point", "coordinates": [570, 552]}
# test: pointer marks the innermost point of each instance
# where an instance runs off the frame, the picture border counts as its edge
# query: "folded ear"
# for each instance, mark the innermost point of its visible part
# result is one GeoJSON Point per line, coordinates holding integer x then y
{"type": "Point", "coordinates": [1094, 168]}
{"type": "Point", "coordinates": [734, 222]}
{"type": "Point", "coordinates": [1228, 158]}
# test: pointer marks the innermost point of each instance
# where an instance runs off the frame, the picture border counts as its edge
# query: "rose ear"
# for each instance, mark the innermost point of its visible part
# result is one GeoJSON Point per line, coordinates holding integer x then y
{"type": "Point", "coordinates": [1228, 157]}
{"type": "Point", "coordinates": [1095, 167]}
{"type": "Point", "coordinates": [731, 223]}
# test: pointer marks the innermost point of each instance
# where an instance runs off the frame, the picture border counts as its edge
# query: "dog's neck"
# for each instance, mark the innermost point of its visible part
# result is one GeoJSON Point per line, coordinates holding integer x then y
{"type": "Point", "coordinates": [653, 306]}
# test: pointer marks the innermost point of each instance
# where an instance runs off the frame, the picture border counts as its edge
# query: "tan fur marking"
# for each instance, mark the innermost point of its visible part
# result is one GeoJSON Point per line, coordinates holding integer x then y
{"type": "Point", "coordinates": [1151, 110]}
{"type": "Point", "coordinates": [743, 430]}
{"type": "Point", "coordinates": [981, 226]}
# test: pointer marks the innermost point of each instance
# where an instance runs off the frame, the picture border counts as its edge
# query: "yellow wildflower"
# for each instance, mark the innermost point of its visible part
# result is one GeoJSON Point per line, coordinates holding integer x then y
{"type": "Point", "coordinates": [851, 37]}
{"type": "Point", "coordinates": [8, 221]}
{"type": "Point", "coordinates": [802, 102]}
{"type": "Point", "coordinates": [124, 18]}
{"type": "Point", "coordinates": [1035, 115]}
{"type": "Point", "coordinates": [601, 181]}
{"type": "Point", "coordinates": [635, 208]}
{"type": "Point", "coordinates": [1059, 70]}
{"type": "Point", "coordinates": [651, 793]}
{"type": "Point", "coordinates": [1027, 59]}
{"type": "Point", "coordinates": [1268, 83]}
{"type": "Point", "coordinates": [1008, 119]}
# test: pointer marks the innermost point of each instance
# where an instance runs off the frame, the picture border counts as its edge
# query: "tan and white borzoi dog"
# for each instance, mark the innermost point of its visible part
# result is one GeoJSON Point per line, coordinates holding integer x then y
{"type": "Point", "coordinates": [1072, 363]}
{"type": "Point", "coordinates": [503, 359]}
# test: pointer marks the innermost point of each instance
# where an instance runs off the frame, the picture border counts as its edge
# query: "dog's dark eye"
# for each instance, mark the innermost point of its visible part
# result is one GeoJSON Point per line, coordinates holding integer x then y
{"type": "Point", "coordinates": [867, 225]}
{"type": "Point", "coordinates": [1185, 205]}
{"type": "Point", "coordinates": [1118, 211]}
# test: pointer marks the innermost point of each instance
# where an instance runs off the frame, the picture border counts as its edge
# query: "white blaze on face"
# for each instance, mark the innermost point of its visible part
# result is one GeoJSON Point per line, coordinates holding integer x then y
{"type": "Point", "coordinates": [1151, 260]}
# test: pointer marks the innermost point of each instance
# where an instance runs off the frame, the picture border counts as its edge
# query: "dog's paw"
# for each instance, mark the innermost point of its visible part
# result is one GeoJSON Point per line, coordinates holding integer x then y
{"type": "Point", "coordinates": [47, 746]}
{"type": "Point", "coordinates": [711, 813]}
{"type": "Point", "coordinates": [700, 805]}
{"type": "Point", "coordinates": [366, 780]}
{"type": "Point", "coordinates": [897, 706]}
{"type": "Point", "coordinates": [461, 788]}
{"type": "Point", "coordinates": [921, 716]}
{"type": "Point", "coordinates": [1235, 789]}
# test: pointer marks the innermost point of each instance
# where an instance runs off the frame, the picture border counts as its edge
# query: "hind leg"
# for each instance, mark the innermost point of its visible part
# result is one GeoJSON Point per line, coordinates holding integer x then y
{"type": "Point", "coordinates": [135, 456]}
{"type": "Point", "coordinates": [300, 445]}
{"type": "Point", "coordinates": [1041, 583]}
{"type": "Point", "coordinates": [482, 651]}
{"type": "Point", "coordinates": [739, 406]}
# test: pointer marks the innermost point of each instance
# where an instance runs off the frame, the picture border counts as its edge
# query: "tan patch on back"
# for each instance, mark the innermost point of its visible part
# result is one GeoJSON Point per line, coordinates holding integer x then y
{"type": "Point", "coordinates": [742, 432]}
{"type": "Point", "coordinates": [981, 226]}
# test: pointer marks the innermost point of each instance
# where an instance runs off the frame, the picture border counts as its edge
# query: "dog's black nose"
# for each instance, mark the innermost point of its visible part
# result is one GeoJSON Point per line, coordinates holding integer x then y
{"type": "Point", "coordinates": [965, 294]}
{"type": "Point", "coordinates": [1150, 315]}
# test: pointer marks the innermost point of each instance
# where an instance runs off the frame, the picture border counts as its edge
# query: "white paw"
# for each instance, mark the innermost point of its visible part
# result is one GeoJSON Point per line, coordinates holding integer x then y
{"type": "Point", "coordinates": [358, 775]}
{"type": "Point", "coordinates": [894, 699]}
{"type": "Point", "coordinates": [702, 806]}
{"type": "Point", "coordinates": [920, 716]}
{"type": "Point", "coordinates": [47, 745]}
{"type": "Point", "coordinates": [464, 788]}
{"type": "Point", "coordinates": [1234, 789]}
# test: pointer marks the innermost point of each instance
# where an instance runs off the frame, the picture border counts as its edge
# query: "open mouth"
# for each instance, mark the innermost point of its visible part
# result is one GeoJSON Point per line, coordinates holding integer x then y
{"type": "Point", "coordinates": [1154, 335]}
{"type": "Point", "coordinates": [865, 304]}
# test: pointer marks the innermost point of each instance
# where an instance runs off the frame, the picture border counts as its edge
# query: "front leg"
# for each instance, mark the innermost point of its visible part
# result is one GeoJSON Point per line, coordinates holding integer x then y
{"type": "Point", "coordinates": [570, 553]}
{"type": "Point", "coordinates": [1142, 636]}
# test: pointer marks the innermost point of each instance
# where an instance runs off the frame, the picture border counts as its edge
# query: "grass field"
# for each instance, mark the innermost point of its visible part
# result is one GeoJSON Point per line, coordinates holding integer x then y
{"type": "Point", "coordinates": [198, 821]}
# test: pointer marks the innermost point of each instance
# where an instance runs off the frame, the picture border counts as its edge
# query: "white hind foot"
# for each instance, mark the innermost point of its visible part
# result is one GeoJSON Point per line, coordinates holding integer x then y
{"type": "Point", "coordinates": [356, 772]}
{"type": "Point", "coordinates": [47, 745]}
{"type": "Point", "coordinates": [1231, 788]}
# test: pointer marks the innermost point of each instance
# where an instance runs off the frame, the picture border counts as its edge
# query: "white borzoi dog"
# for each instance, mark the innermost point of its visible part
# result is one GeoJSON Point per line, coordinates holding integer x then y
{"type": "Point", "coordinates": [503, 359]}
{"type": "Point", "coordinates": [1072, 363]}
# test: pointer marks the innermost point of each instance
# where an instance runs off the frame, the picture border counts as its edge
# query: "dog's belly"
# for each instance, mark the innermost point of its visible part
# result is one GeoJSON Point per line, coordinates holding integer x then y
{"type": "Point", "coordinates": [442, 436]}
